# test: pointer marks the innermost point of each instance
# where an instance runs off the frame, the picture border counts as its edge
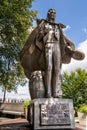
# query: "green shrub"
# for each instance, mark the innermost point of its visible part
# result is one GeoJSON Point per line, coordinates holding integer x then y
{"type": "Point", "coordinates": [83, 108]}
{"type": "Point", "coordinates": [26, 103]}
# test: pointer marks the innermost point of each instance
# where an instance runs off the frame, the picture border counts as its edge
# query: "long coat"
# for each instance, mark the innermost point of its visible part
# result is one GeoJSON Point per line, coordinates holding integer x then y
{"type": "Point", "coordinates": [32, 56]}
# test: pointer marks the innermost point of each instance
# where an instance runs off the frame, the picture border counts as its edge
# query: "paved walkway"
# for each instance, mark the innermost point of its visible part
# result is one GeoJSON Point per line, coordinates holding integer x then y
{"type": "Point", "coordinates": [81, 126]}
{"type": "Point", "coordinates": [14, 124]}
{"type": "Point", "coordinates": [22, 124]}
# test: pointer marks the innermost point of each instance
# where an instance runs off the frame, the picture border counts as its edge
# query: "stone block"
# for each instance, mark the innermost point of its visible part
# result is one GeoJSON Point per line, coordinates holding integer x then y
{"type": "Point", "coordinates": [52, 113]}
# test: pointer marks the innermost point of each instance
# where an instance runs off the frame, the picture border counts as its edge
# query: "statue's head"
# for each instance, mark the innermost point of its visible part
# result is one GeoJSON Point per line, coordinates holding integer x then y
{"type": "Point", "coordinates": [51, 14]}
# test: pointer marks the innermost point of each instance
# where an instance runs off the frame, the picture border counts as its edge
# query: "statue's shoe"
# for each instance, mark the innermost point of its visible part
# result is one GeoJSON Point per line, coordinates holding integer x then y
{"type": "Point", "coordinates": [48, 95]}
{"type": "Point", "coordinates": [57, 95]}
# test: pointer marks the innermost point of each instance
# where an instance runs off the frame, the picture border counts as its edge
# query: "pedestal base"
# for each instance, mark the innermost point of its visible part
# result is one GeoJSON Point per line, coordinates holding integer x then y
{"type": "Point", "coordinates": [51, 113]}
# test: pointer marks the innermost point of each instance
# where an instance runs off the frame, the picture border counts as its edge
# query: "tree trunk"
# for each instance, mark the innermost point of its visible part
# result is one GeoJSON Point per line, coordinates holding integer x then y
{"type": "Point", "coordinates": [4, 96]}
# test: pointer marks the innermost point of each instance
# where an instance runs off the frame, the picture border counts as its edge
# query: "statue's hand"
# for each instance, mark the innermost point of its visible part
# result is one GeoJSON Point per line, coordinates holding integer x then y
{"type": "Point", "coordinates": [69, 50]}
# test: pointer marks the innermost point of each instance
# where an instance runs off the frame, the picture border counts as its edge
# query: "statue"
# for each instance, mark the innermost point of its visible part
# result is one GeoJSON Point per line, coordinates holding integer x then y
{"type": "Point", "coordinates": [46, 49]}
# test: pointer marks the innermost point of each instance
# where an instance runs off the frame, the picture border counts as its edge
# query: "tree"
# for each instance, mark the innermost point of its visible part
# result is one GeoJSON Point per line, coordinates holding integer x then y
{"type": "Point", "coordinates": [16, 19]}
{"type": "Point", "coordinates": [74, 86]}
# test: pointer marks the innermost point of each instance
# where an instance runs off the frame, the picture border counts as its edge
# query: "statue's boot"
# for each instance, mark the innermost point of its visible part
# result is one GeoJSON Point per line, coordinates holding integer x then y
{"type": "Point", "coordinates": [57, 94]}
{"type": "Point", "coordinates": [48, 83]}
{"type": "Point", "coordinates": [57, 91]}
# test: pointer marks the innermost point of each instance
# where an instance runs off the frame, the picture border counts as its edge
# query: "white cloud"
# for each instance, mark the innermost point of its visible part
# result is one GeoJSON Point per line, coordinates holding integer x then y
{"type": "Point", "coordinates": [84, 30]}
{"type": "Point", "coordinates": [67, 28]}
{"type": "Point", "coordinates": [77, 64]}
{"type": "Point", "coordinates": [22, 93]}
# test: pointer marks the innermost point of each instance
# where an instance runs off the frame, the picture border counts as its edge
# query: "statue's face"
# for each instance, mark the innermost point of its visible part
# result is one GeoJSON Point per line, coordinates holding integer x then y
{"type": "Point", "coordinates": [51, 14]}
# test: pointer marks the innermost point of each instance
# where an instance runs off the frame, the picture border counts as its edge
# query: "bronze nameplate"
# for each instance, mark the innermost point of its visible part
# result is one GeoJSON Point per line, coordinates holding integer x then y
{"type": "Point", "coordinates": [55, 114]}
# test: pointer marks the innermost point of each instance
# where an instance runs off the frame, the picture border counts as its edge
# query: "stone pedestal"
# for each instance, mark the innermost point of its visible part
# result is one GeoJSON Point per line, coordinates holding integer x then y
{"type": "Point", "coordinates": [51, 114]}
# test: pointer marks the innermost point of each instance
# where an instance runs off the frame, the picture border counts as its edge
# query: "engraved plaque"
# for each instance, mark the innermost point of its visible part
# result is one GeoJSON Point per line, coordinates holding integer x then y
{"type": "Point", "coordinates": [55, 114]}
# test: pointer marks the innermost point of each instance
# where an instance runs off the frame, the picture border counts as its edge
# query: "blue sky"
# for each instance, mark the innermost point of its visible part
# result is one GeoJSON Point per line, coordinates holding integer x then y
{"type": "Point", "coordinates": [72, 13]}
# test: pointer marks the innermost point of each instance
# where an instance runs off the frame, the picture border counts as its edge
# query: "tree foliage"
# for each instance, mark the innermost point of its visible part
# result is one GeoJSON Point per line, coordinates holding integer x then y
{"type": "Point", "coordinates": [74, 86]}
{"type": "Point", "coordinates": [83, 108]}
{"type": "Point", "coordinates": [16, 19]}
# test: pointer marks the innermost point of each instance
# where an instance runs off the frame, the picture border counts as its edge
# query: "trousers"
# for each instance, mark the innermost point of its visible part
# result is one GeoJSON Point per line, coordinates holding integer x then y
{"type": "Point", "coordinates": [53, 69]}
